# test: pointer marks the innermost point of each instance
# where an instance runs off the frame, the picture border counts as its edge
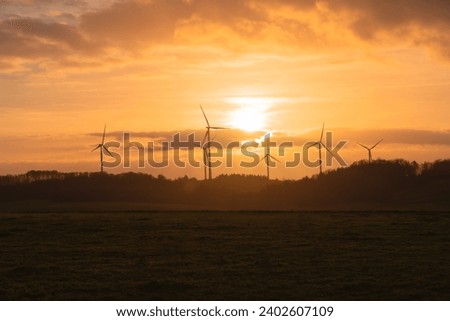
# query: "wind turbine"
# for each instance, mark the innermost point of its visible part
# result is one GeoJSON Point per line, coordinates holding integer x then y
{"type": "Point", "coordinates": [268, 157]}
{"type": "Point", "coordinates": [206, 147]}
{"type": "Point", "coordinates": [102, 148]}
{"type": "Point", "coordinates": [370, 149]}
{"type": "Point", "coordinates": [320, 144]}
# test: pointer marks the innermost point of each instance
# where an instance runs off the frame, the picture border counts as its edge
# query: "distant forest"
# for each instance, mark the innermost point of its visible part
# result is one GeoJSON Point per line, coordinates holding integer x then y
{"type": "Point", "coordinates": [382, 184]}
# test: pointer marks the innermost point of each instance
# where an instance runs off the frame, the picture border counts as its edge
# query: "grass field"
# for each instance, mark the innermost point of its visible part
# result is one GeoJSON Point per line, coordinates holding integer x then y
{"type": "Point", "coordinates": [225, 256]}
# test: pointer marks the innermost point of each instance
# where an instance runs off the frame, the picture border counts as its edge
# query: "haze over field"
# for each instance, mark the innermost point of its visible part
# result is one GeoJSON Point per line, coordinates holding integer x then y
{"type": "Point", "coordinates": [369, 69]}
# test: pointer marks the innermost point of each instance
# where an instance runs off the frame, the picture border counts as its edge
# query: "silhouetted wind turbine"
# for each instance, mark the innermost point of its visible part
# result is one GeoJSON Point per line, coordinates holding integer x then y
{"type": "Point", "coordinates": [102, 148]}
{"type": "Point", "coordinates": [370, 149]}
{"type": "Point", "coordinates": [206, 147]}
{"type": "Point", "coordinates": [320, 144]}
{"type": "Point", "coordinates": [267, 157]}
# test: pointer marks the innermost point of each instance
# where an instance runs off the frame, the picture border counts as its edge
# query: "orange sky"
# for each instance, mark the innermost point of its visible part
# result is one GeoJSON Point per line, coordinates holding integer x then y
{"type": "Point", "coordinates": [369, 69]}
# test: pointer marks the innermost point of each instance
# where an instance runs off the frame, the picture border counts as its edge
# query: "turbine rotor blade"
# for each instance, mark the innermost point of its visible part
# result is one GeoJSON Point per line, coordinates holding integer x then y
{"type": "Point", "coordinates": [311, 144]}
{"type": "Point", "coordinates": [204, 115]}
{"type": "Point", "coordinates": [263, 158]}
{"type": "Point", "coordinates": [98, 146]}
{"type": "Point", "coordinates": [321, 135]}
{"type": "Point", "coordinates": [329, 151]}
{"type": "Point", "coordinates": [376, 144]}
{"type": "Point", "coordinates": [104, 132]}
{"type": "Point", "coordinates": [219, 128]}
{"type": "Point", "coordinates": [363, 146]}
{"type": "Point", "coordinates": [107, 150]}
{"type": "Point", "coordinates": [273, 157]}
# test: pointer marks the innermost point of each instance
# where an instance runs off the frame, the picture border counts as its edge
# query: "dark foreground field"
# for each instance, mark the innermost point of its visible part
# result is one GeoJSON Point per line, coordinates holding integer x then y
{"type": "Point", "coordinates": [225, 256]}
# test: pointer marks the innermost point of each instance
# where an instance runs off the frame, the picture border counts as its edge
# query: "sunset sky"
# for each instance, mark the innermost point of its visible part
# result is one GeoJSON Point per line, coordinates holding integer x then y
{"type": "Point", "coordinates": [368, 69]}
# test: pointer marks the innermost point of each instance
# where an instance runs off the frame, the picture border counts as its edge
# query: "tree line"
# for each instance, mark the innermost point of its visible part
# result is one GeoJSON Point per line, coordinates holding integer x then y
{"type": "Point", "coordinates": [381, 184]}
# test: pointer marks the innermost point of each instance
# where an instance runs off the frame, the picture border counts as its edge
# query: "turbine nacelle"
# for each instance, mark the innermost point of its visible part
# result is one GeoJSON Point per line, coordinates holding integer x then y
{"type": "Point", "coordinates": [369, 149]}
{"type": "Point", "coordinates": [320, 144]}
{"type": "Point", "coordinates": [104, 148]}
{"type": "Point", "coordinates": [268, 157]}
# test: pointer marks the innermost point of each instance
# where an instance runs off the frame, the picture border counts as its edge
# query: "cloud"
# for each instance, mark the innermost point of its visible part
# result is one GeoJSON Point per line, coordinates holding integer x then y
{"type": "Point", "coordinates": [421, 22]}
{"type": "Point", "coordinates": [54, 32]}
{"type": "Point", "coordinates": [400, 136]}
{"type": "Point", "coordinates": [386, 15]}
{"type": "Point", "coordinates": [135, 26]}
{"type": "Point", "coordinates": [67, 152]}
{"type": "Point", "coordinates": [14, 44]}
{"type": "Point", "coordinates": [45, 2]}
{"type": "Point", "coordinates": [158, 137]}
{"type": "Point", "coordinates": [371, 136]}
{"type": "Point", "coordinates": [136, 22]}
{"type": "Point", "coordinates": [32, 38]}
{"type": "Point", "coordinates": [366, 136]}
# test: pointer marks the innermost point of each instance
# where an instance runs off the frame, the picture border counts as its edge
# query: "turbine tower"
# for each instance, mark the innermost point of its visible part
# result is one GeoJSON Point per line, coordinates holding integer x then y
{"type": "Point", "coordinates": [205, 157]}
{"type": "Point", "coordinates": [102, 148]}
{"type": "Point", "coordinates": [370, 149]}
{"type": "Point", "coordinates": [320, 144]}
{"type": "Point", "coordinates": [268, 157]}
{"type": "Point", "coordinates": [206, 147]}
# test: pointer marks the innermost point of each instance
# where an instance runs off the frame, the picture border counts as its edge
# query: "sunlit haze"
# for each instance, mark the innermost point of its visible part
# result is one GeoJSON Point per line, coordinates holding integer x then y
{"type": "Point", "coordinates": [251, 113]}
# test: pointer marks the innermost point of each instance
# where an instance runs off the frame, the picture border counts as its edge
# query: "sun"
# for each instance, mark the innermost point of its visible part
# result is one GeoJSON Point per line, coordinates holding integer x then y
{"type": "Point", "coordinates": [251, 113]}
{"type": "Point", "coordinates": [248, 118]}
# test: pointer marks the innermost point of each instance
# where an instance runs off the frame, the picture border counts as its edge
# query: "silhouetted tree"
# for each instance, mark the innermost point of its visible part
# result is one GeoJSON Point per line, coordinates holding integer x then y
{"type": "Point", "coordinates": [374, 185]}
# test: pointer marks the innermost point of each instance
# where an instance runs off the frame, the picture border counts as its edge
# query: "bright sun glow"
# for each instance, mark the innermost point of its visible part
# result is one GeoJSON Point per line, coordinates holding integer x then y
{"type": "Point", "coordinates": [251, 115]}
